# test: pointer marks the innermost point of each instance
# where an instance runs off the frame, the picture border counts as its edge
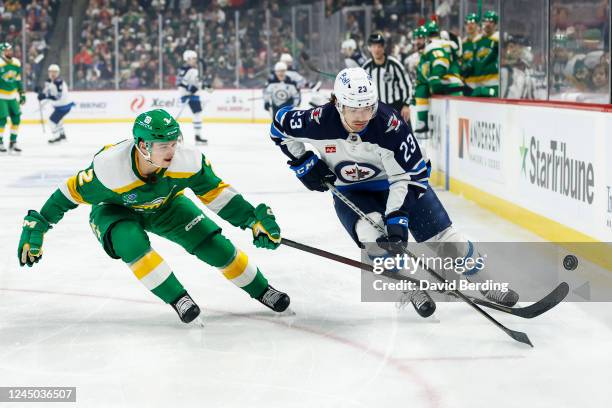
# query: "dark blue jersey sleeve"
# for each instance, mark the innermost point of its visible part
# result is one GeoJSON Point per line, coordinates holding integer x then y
{"type": "Point", "coordinates": [406, 167]}
{"type": "Point", "coordinates": [292, 127]}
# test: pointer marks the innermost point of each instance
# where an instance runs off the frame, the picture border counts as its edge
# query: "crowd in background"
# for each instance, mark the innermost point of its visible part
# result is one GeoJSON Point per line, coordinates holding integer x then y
{"type": "Point", "coordinates": [577, 65]}
{"type": "Point", "coordinates": [185, 25]}
{"type": "Point", "coordinates": [579, 60]}
{"type": "Point", "coordinates": [580, 51]}
{"type": "Point", "coordinates": [38, 16]}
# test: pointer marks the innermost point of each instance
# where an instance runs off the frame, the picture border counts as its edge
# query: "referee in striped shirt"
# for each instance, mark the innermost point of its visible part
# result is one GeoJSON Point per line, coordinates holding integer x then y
{"type": "Point", "coordinates": [388, 74]}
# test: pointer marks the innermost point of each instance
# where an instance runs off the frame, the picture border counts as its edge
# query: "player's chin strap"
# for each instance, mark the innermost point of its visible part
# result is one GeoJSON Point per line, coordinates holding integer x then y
{"type": "Point", "coordinates": [146, 156]}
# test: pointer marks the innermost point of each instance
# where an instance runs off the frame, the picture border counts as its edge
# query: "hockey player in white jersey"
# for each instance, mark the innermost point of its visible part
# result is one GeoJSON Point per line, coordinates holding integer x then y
{"type": "Point", "coordinates": [56, 91]}
{"type": "Point", "coordinates": [280, 91]}
{"type": "Point", "coordinates": [370, 154]}
{"type": "Point", "coordinates": [292, 73]}
{"type": "Point", "coordinates": [189, 85]}
{"type": "Point", "coordinates": [352, 56]}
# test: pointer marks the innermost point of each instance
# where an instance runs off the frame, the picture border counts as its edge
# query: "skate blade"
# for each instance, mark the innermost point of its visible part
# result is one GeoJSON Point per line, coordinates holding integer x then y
{"type": "Point", "coordinates": [197, 322]}
{"type": "Point", "coordinates": [404, 312]}
{"type": "Point", "coordinates": [286, 313]}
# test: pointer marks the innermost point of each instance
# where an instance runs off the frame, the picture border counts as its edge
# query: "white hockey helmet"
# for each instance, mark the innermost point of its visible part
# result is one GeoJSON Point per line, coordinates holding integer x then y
{"type": "Point", "coordinates": [280, 66]}
{"type": "Point", "coordinates": [189, 55]}
{"type": "Point", "coordinates": [54, 68]}
{"type": "Point", "coordinates": [287, 59]}
{"type": "Point", "coordinates": [349, 44]}
{"type": "Point", "coordinates": [354, 88]}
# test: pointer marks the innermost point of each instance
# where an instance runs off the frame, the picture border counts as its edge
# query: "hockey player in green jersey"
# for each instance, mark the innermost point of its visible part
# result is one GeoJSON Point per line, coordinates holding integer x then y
{"type": "Point", "coordinates": [485, 81]}
{"type": "Point", "coordinates": [11, 96]}
{"type": "Point", "coordinates": [420, 98]}
{"type": "Point", "coordinates": [136, 186]}
{"type": "Point", "coordinates": [438, 73]}
{"type": "Point", "coordinates": [472, 27]}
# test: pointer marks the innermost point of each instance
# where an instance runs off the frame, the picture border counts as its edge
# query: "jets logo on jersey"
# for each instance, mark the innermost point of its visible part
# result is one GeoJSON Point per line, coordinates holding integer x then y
{"type": "Point", "coordinates": [393, 124]}
{"type": "Point", "coordinates": [351, 172]}
{"type": "Point", "coordinates": [280, 96]}
{"type": "Point", "coordinates": [316, 115]}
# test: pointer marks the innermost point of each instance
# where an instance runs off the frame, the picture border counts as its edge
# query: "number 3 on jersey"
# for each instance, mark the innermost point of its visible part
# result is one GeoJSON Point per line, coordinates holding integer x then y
{"type": "Point", "coordinates": [296, 121]}
{"type": "Point", "coordinates": [408, 147]}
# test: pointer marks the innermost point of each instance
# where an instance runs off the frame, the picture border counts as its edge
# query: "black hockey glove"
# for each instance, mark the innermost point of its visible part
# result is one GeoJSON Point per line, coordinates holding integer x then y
{"type": "Point", "coordinates": [313, 172]}
{"type": "Point", "coordinates": [41, 96]}
{"type": "Point", "coordinates": [397, 233]}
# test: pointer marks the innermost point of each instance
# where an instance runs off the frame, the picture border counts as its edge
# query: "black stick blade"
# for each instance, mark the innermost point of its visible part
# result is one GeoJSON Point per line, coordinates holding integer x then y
{"type": "Point", "coordinates": [519, 336]}
{"type": "Point", "coordinates": [545, 304]}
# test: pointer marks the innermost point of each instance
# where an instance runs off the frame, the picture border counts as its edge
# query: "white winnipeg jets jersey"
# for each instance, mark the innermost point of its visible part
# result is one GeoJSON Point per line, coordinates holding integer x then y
{"type": "Point", "coordinates": [188, 80]}
{"type": "Point", "coordinates": [297, 78]}
{"type": "Point", "coordinates": [57, 92]}
{"type": "Point", "coordinates": [281, 93]}
{"type": "Point", "coordinates": [384, 156]}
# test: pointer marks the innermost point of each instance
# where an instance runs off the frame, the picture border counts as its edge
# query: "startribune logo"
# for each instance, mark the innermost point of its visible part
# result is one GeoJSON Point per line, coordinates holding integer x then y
{"type": "Point", "coordinates": [550, 166]}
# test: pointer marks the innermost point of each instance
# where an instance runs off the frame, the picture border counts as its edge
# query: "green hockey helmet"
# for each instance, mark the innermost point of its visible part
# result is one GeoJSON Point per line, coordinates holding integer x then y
{"type": "Point", "coordinates": [420, 32]}
{"type": "Point", "coordinates": [432, 28]}
{"type": "Point", "coordinates": [155, 126]}
{"type": "Point", "coordinates": [5, 46]}
{"type": "Point", "coordinates": [472, 18]}
{"type": "Point", "coordinates": [491, 16]}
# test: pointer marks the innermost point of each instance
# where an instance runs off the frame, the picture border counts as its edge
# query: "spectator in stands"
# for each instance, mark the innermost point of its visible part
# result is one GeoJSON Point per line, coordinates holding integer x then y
{"type": "Point", "coordinates": [81, 81]}
{"type": "Point", "coordinates": [13, 34]}
{"type": "Point", "coordinates": [600, 80]}
{"type": "Point", "coordinates": [83, 59]}
{"type": "Point", "coordinates": [12, 7]}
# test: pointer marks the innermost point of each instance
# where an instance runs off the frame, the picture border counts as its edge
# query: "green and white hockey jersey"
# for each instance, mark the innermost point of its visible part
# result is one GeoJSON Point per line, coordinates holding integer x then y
{"type": "Point", "coordinates": [440, 68]}
{"type": "Point", "coordinates": [438, 73]}
{"type": "Point", "coordinates": [468, 58]}
{"type": "Point", "coordinates": [114, 178]}
{"type": "Point", "coordinates": [10, 78]}
{"type": "Point", "coordinates": [486, 66]}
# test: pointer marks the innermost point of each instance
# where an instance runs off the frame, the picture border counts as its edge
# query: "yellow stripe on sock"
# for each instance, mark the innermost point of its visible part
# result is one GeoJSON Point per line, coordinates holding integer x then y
{"type": "Point", "coordinates": [237, 266]}
{"type": "Point", "coordinates": [146, 264]}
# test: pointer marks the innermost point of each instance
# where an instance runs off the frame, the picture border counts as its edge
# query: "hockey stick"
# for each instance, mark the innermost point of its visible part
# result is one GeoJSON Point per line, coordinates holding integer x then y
{"type": "Point", "coordinates": [306, 59]}
{"type": "Point", "coordinates": [528, 312]}
{"type": "Point", "coordinates": [516, 335]}
{"type": "Point", "coordinates": [42, 122]}
{"type": "Point", "coordinates": [178, 115]}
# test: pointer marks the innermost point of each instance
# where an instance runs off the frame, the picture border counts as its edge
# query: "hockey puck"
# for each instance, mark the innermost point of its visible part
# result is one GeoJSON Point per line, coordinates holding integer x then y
{"type": "Point", "coordinates": [570, 262]}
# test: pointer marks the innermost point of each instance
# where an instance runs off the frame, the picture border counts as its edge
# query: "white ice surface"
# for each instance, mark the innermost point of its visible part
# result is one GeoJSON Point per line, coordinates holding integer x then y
{"type": "Point", "coordinates": [81, 319]}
